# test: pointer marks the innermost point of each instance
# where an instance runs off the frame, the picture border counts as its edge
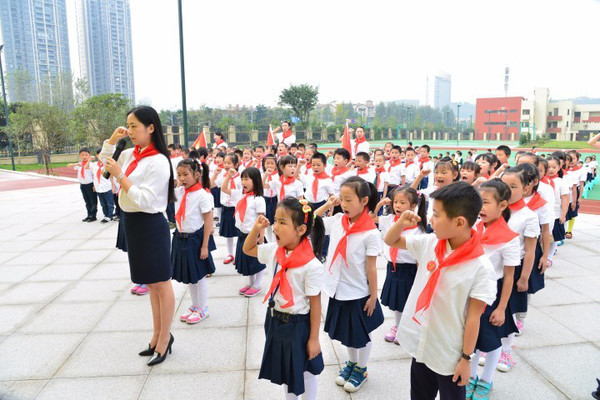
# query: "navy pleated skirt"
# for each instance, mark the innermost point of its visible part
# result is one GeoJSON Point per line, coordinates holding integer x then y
{"type": "Point", "coordinates": [216, 192]}
{"type": "Point", "coordinates": [245, 264]}
{"type": "Point", "coordinates": [148, 247]}
{"type": "Point", "coordinates": [397, 285]}
{"type": "Point", "coordinates": [490, 335]}
{"type": "Point", "coordinates": [188, 267]}
{"type": "Point", "coordinates": [348, 323]}
{"type": "Point", "coordinates": [285, 358]}
{"type": "Point", "coordinates": [121, 241]}
{"type": "Point", "coordinates": [227, 223]}
{"type": "Point", "coordinates": [536, 280]}
{"type": "Point", "coordinates": [326, 239]}
{"type": "Point", "coordinates": [518, 300]}
{"type": "Point", "coordinates": [271, 205]}
{"type": "Point", "coordinates": [558, 231]}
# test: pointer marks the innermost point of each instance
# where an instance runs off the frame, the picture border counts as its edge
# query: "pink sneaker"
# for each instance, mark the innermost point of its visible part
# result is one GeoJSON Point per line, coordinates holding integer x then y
{"type": "Point", "coordinates": [135, 288]}
{"type": "Point", "coordinates": [252, 292]}
{"type": "Point", "coordinates": [506, 362]}
{"type": "Point", "coordinates": [520, 326]}
{"type": "Point", "coordinates": [198, 315]}
{"type": "Point", "coordinates": [190, 311]}
{"type": "Point", "coordinates": [391, 335]}
{"type": "Point", "coordinates": [244, 290]}
{"type": "Point", "coordinates": [142, 290]}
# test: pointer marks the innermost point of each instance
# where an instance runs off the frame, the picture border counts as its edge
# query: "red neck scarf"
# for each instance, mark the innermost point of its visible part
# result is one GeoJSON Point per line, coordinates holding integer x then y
{"type": "Point", "coordinates": [536, 202]}
{"type": "Point", "coordinates": [315, 184]}
{"type": "Point", "coordinates": [338, 171]}
{"type": "Point", "coordinates": [218, 142]}
{"type": "Point", "coordinates": [180, 214]}
{"type": "Point", "coordinates": [82, 172]}
{"type": "Point", "coordinates": [232, 181]}
{"type": "Point", "coordinates": [308, 168]}
{"type": "Point", "coordinates": [394, 163]}
{"type": "Point", "coordinates": [394, 250]}
{"type": "Point", "coordinates": [362, 171]}
{"type": "Point", "coordinates": [408, 163]}
{"type": "Point", "coordinates": [99, 172]}
{"type": "Point", "coordinates": [549, 180]}
{"type": "Point", "coordinates": [363, 223]}
{"type": "Point", "coordinates": [423, 160]}
{"type": "Point", "coordinates": [137, 156]}
{"type": "Point", "coordinates": [465, 252]}
{"type": "Point", "coordinates": [241, 206]}
{"type": "Point", "coordinates": [358, 141]}
{"type": "Point", "coordinates": [284, 181]}
{"type": "Point", "coordinates": [577, 168]}
{"type": "Point", "coordinates": [270, 176]}
{"type": "Point", "coordinates": [497, 232]}
{"type": "Point", "coordinates": [299, 257]}
{"type": "Point", "coordinates": [287, 134]}
{"type": "Point", "coordinates": [517, 206]}
{"type": "Point", "coordinates": [173, 156]}
{"type": "Point", "coordinates": [378, 172]}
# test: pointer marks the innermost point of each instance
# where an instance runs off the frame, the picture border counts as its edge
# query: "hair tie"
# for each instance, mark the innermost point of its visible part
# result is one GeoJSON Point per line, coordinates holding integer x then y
{"type": "Point", "coordinates": [306, 209]}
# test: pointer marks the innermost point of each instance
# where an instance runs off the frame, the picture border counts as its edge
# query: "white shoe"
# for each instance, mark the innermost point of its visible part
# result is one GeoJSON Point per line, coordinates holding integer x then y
{"type": "Point", "coordinates": [481, 361]}
{"type": "Point", "coordinates": [105, 220]}
{"type": "Point", "coordinates": [190, 311]}
{"type": "Point", "coordinates": [198, 316]}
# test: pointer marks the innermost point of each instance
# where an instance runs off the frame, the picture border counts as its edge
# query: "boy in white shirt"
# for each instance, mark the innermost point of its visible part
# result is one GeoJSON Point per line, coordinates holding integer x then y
{"type": "Point", "coordinates": [362, 168]}
{"type": "Point", "coordinates": [317, 193]}
{"type": "Point", "coordinates": [103, 189]}
{"type": "Point", "coordinates": [84, 175]}
{"type": "Point", "coordinates": [454, 282]}
{"type": "Point", "coordinates": [410, 169]}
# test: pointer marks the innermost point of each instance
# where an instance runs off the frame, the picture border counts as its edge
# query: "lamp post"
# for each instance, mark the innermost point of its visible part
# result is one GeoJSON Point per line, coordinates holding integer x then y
{"type": "Point", "coordinates": [457, 123]}
{"type": "Point", "coordinates": [181, 61]}
{"type": "Point", "coordinates": [10, 149]}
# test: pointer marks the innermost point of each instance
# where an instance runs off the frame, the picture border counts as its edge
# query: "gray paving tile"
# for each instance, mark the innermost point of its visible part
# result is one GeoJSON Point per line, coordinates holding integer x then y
{"type": "Point", "coordinates": [13, 316]}
{"type": "Point", "coordinates": [109, 271]}
{"type": "Point", "coordinates": [581, 318]}
{"type": "Point", "coordinates": [35, 258]}
{"type": "Point", "coordinates": [98, 243]}
{"type": "Point", "coordinates": [66, 318]}
{"type": "Point", "coordinates": [223, 313]}
{"type": "Point", "coordinates": [21, 390]}
{"type": "Point", "coordinates": [32, 292]}
{"type": "Point", "coordinates": [58, 244]}
{"type": "Point", "coordinates": [61, 272]}
{"type": "Point", "coordinates": [121, 387]}
{"type": "Point", "coordinates": [17, 273]}
{"type": "Point", "coordinates": [211, 385]}
{"type": "Point", "coordinates": [94, 291]}
{"type": "Point", "coordinates": [542, 330]}
{"type": "Point", "coordinates": [83, 256]}
{"type": "Point", "coordinates": [566, 269]}
{"type": "Point", "coordinates": [587, 285]}
{"type": "Point", "coordinates": [227, 286]}
{"type": "Point", "coordinates": [556, 294]}
{"type": "Point", "coordinates": [35, 356]}
{"type": "Point", "coordinates": [125, 316]}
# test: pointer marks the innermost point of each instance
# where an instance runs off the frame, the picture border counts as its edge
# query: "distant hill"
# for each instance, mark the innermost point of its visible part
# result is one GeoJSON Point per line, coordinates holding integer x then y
{"type": "Point", "coordinates": [466, 110]}
{"type": "Point", "coordinates": [585, 100]}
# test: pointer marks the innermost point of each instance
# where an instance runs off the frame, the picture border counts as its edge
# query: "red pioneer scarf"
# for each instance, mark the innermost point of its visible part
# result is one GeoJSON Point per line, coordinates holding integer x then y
{"type": "Point", "coordinates": [358, 141]}
{"type": "Point", "coordinates": [536, 202]}
{"type": "Point", "coordinates": [218, 142]}
{"type": "Point", "coordinates": [363, 223]}
{"type": "Point", "coordinates": [315, 184]}
{"type": "Point", "coordinates": [99, 172]}
{"type": "Point", "coordinates": [335, 171]}
{"type": "Point", "coordinates": [180, 214]}
{"type": "Point", "coordinates": [284, 181]}
{"type": "Point", "coordinates": [378, 172]}
{"type": "Point", "coordinates": [394, 250]}
{"type": "Point", "coordinates": [423, 160]}
{"type": "Point", "coordinates": [287, 134]}
{"type": "Point", "coordinates": [497, 232]}
{"type": "Point", "coordinates": [137, 156]}
{"type": "Point", "coordinates": [408, 163]}
{"type": "Point", "coordinates": [83, 163]}
{"type": "Point", "coordinates": [362, 171]}
{"type": "Point", "coordinates": [549, 180]}
{"type": "Point", "coordinates": [394, 163]}
{"type": "Point", "coordinates": [517, 206]}
{"type": "Point", "coordinates": [308, 167]}
{"type": "Point", "coordinates": [241, 206]}
{"type": "Point", "coordinates": [232, 181]}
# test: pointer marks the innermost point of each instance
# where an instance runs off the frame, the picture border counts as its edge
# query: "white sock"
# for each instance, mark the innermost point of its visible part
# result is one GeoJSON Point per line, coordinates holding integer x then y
{"type": "Point", "coordinates": [475, 363]}
{"type": "Point", "coordinates": [491, 360]}
{"type": "Point", "coordinates": [217, 212]}
{"type": "Point", "coordinates": [250, 280]}
{"type": "Point", "coordinates": [289, 396]}
{"type": "Point", "coordinates": [310, 386]}
{"type": "Point", "coordinates": [352, 355]}
{"type": "Point", "coordinates": [507, 343]}
{"type": "Point", "coordinates": [199, 293]}
{"type": "Point", "coordinates": [398, 316]}
{"type": "Point", "coordinates": [553, 247]}
{"type": "Point", "coordinates": [230, 247]}
{"type": "Point", "coordinates": [363, 355]}
{"type": "Point", "coordinates": [258, 279]}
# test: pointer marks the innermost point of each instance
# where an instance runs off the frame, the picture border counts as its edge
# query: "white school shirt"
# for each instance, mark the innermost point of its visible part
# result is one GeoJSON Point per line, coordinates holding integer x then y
{"type": "Point", "coordinates": [339, 179]}
{"type": "Point", "coordinates": [304, 168]}
{"type": "Point", "coordinates": [393, 176]}
{"type": "Point", "coordinates": [325, 188]}
{"type": "Point", "coordinates": [349, 283]}
{"type": "Point", "coordinates": [545, 213]}
{"type": "Point", "coordinates": [547, 193]}
{"type": "Point", "coordinates": [383, 178]}
{"type": "Point", "coordinates": [305, 281]}
{"type": "Point", "coordinates": [362, 147]}
{"type": "Point", "coordinates": [404, 257]}
{"type": "Point", "coordinates": [294, 189]}
{"type": "Point", "coordinates": [254, 205]}
{"type": "Point", "coordinates": [369, 176]}
{"type": "Point", "coordinates": [149, 191]}
{"type": "Point", "coordinates": [502, 255]}
{"type": "Point", "coordinates": [174, 162]}
{"type": "Point", "coordinates": [438, 341]}
{"type": "Point", "coordinates": [524, 222]}
{"type": "Point", "coordinates": [426, 192]}
{"type": "Point", "coordinates": [215, 145]}
{"type": "Point", "coordinates": [103, 185]}
{"type": "Point", "coordinates": [593, 166]}
{"type": "Point", "coordinates": [225, 198]}
{"type": "Point", "coordinates": [196, 203]}
{"type": "Point", "coordinates": [87, 174]}
{"type": "Point", "coordinates": [431, 167]}
{"type": "Point", "coordinates": [560, 189]}
{"type": "Point", "coordinates": [245, 164]}
{"type": "Point", "coordinates": [267, 191]}
{"type": "Point", "coordinates": [410, 173]}
{"type": "Point", "coordinates": [291, 139]}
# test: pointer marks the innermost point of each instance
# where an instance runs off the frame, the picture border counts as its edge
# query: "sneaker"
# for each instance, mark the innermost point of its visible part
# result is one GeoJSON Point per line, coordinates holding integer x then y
{"type": "Point", "coordinates": [357, 379]}
{"type": "Point", "coordinates": [560, 243]}
{"type": "Point", "coordinates": [142, 290]}
{"type": "Point", "coordinates": [190, 311]}
{"type": "Point", "coordinates": [520, 327]}
{"type": "Point", "coordinates": [199, 315]}
{"type": "Point", "coordinates": [244, 290]}
{"type": "Point", "coordinates": [135, 288]}
{"type": "Point", "coordinates": [115, 218]}
{"type": "Point", "coordinates": [252, 292]}
{"type": "Point", "coordinates": [391, 335]}
{"type": "Point", "coordinates": [471, 387]}
{"type": "Point", "coordinates": [105, 220]}
{"type": "Point", "coordinates": [481, 361]}
{"type": "Point", "coordinates": [92, 219]}
{"type": "Point", "coordinates": [228, 259]}
{"type": "Point", "coordinates": [396, 341]}
{"type": "Point", "coordinates": [85, 219]}
{"type": "Point", "coordinates": [345, 373]}
{"type": "Point", "coordinates": [482, 390]}
{"type": "Point", "coordinates": [505, 363]}
{"type": "Point", "coordinates": [569, 235]}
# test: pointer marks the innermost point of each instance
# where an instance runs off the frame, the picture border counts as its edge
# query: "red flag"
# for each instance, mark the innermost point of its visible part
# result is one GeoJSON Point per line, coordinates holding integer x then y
{"type": "Point", "coordinates": [270, 140]}
{"type": "Point", "coordinates": [346, 139]}
{"type": "Point", "coordinates": [200, 140]}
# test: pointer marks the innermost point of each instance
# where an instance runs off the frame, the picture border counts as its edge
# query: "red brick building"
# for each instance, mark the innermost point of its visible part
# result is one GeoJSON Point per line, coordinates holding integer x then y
{"type": "Point", "coordinates": [497, 118]}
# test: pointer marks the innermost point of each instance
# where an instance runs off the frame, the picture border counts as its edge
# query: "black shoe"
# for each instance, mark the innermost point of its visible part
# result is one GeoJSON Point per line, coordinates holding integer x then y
{"type": "Point", "coordinates": [157, 358]}
{"type": "Point", "coordinates": [86, 219]}
{"type": "Point", "coordinates": [148, 352]}
{"type": "Point", "coordinates": [91, 219]}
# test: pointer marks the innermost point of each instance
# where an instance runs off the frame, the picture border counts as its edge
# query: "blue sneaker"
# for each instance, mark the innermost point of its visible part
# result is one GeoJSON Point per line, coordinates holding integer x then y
{"type": "Point", "coordinates": [345, 373]}
{"type": "Point", "coordinates": [483, 390]}
{"type": "Point", "coordinates": [471, 387]}
{"type": "Point", "coordinates": [560, 243]}
{"type": "Point", "coordinates": [358, 377]}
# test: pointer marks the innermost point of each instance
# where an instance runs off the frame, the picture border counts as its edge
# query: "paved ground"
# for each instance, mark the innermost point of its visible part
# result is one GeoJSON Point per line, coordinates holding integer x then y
{"type": "Point", "coordinates": [70, 329]}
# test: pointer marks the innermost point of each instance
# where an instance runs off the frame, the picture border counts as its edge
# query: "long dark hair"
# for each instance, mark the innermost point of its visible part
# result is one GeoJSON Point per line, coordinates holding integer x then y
{"type": "Point", "coordinates": [148, 116]}
{"type": "Point", "coordinates": [197, 166]}
{"type": "Point", "coordinates": [314, 224]}
{"type": "Point", "coordinates": [501, 192]}
{"type": "Point", "coordinates": [414, 199]}
{"type": "Point", "coordinates": [363, 189]}
{"type": "Point", "coordinates": [254, 174]}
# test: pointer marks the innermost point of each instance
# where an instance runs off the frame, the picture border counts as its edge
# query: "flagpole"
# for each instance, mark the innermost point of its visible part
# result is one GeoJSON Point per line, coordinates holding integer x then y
{"type": "Point", "coordinates": [182, 63]}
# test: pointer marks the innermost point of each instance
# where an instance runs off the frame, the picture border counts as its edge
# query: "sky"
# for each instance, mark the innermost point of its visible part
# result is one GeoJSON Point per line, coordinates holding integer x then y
{"type": "Point", "coordinates": [245, 52]}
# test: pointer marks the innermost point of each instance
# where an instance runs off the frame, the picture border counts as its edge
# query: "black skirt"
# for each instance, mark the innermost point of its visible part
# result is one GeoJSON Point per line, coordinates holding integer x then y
{"type": "Point", "coordinates": [285, 358]}
{"type": "Point", "coordinates": [573, 213]}
{"type": "Point", "coordinates": [348, 323]}
{"type": "Point", "coordinates": [148, 247]}
{"type": "Point", "coordinates": [121, 241]}
{"type": "Point", "coordinates": [227, 223]}
{"type": "Point", "coordinates": [271, 205]}
{"type": "Point", "coordinates": [536, 280]}
{"type": "Point", "coordinates": [216, 192]}
{"type": "Point", "coordinates": [188, 267]}
{"type": "Point", "coordinates": [558, 231]}
{"type": "Point", "coordinates": [397, 285]}
{"type": "Point", "coordinates": [245, 264]}
{"type": "Point", "coordinates": [490, 336]}
{"type": "Point", "coordinates": [518, 300]}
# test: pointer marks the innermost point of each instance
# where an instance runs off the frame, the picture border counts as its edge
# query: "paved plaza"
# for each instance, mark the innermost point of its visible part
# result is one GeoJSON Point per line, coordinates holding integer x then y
{"type": "Point", "coordinates": [70, 328]}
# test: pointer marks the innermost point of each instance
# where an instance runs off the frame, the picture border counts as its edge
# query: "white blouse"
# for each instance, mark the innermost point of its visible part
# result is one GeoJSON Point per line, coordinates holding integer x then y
{"type": "Point", "coordinates": [149, 191]}
{"type": "Point", "coordinates": [404, 257]}
{"type": "Point", "coordinates": [368, 176]}
{"type": "Point", "coordinates": [103, 185]}
{"type": "Point", "coordinates": [524, 222]}
{"type": "Point", "coordinates": [339, 179]}
{"type": "Point", "coordinates": [409, 173]}
{"type": "Point", "coordinates": [325, 188]}
{"type": "Point", "coordinates": [87, 174]}
{"type": "Point", "coordinates": [196, 204]}
{"type": "Point", "coordinates": [254, 205]}
{"type": "Point", "coordinates": [225, 199]}
{"type": "Point", "coordinates": [291, 139]}
{"type": "Point", "coordinates": [294, 189]}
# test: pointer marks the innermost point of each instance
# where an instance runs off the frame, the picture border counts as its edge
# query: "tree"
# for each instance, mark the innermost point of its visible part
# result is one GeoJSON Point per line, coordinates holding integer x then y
{"type": "Point", "coordinates": [95, 118]}
{"type": "Point", "coordinates": [82, 91]}
{"type": "Point", "coordinates": [21, 86]}
{"type": "Point", "coordinates": [302, 99]}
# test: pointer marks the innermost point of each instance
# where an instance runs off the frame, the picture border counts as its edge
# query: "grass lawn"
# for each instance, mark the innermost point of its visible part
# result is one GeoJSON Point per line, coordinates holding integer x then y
{"type": "Point", "coordinates": [561, 145]}
{"type": "Point", "coordinates": [33, 167]}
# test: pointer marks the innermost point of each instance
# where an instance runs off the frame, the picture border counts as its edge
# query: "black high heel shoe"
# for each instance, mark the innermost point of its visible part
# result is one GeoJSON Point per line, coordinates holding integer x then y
{"type": "Point", "coordinates": [148, 352]}
{"type": "Point", "coordinates": [157, 358]}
